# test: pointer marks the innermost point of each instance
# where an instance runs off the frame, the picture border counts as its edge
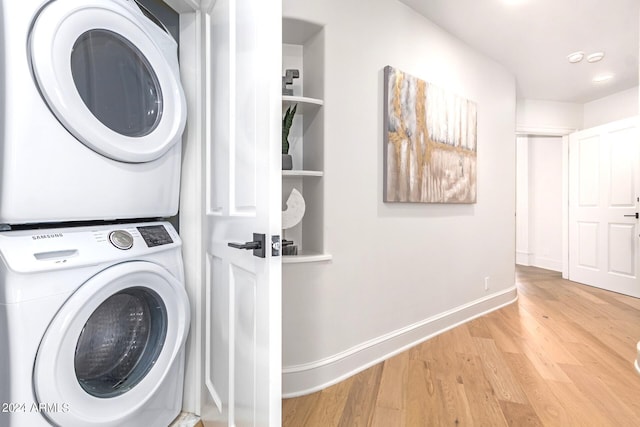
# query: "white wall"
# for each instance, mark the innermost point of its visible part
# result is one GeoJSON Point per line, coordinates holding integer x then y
{"type": "Point", "coordinates": [400, 272]}
{"type": "Point", "coordinates": [522, 201]}
{"type": "Point", "coordinates": [618, 106]}
{"type": "Point", "coordinates": [545, 201]}
{"type": "Point", "coordinates": [539, 117]}
{"type": "Point", "coordinates": [548, 117]}
{"type": "Point", "coordinates": [539, 194]}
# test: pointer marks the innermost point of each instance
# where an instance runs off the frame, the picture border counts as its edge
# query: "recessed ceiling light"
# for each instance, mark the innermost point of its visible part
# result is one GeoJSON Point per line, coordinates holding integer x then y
{"type": "Point", "coordinates": [575, 57]}
{"type": "Point", "coordinates": [602, 78]}
{"type": "Point", "coordinates": [595, 57]}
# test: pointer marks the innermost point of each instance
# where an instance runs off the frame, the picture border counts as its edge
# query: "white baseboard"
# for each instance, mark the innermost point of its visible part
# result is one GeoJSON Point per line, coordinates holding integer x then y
{"type": "Point", "coordinates": [529, 259]}
{"type": "Point", "coordinates": [304, 379]}
{"type": "Point", "coordinates": [523, 258]}
{"type": "Point", "coordinates": [546, 263]}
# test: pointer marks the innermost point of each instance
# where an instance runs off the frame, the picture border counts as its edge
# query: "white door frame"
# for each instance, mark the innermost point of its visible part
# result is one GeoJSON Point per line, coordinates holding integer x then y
{"type": "Point", "coordinates": [191, 187]}
{"type": "Point", "coordinates": [564, 134]}
{"type": "Point", "coordinates": [565, 206]}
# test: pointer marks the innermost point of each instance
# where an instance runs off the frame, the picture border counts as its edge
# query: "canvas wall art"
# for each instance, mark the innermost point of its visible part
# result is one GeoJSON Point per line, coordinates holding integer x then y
{"type": "Point", "coordinates": [430, 142]}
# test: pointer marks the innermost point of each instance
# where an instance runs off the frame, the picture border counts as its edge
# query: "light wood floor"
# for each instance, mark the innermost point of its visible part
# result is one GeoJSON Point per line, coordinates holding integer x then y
{"type": "Point", "coordinates": [561, 356]}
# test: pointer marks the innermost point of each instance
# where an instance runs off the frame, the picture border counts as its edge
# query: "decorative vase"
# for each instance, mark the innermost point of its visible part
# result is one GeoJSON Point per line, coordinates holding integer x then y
{"type": "Point", "coordinates": [290, 250]}
{"type": "Point", "coordinates": [287, 162]}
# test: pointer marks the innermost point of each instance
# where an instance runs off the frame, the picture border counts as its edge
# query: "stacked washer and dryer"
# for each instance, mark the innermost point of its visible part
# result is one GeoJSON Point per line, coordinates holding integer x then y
{"type": "Point", "coordinates": [93, 310]}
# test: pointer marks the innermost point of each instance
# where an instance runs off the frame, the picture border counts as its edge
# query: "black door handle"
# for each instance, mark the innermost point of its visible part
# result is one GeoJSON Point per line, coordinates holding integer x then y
{"type": "Point", "coordinates": [636, 215]}
{"type": "Point", "coordinates": [247, 245]}
{"type": "Point", "coordinates": [257, 245]}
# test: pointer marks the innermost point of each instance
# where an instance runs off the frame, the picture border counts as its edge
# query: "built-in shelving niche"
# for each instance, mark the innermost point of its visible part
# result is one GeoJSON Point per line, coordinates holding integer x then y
{"type": "Point", "coordinates": [303, 49]}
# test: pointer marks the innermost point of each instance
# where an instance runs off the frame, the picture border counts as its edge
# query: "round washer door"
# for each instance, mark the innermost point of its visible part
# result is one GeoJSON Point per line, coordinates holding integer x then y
{"type": "Point", "coordinates": [109, 77]}
{"type": "Point", "coordinates": [112, 344]}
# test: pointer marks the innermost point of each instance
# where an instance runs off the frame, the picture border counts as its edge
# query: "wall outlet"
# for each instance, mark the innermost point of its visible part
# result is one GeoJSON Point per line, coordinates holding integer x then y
{"type": "Point", "coordinates": [486, 283]}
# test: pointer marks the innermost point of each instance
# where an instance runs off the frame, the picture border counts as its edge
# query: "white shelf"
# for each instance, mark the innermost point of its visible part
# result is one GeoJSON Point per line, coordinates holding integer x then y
{"type": "Point", "coordinates": [305, 104]}
{"type": "Point", "coordinates": [305, 258]}
{"type": "Point", "coordinates": [296, 173]}
{"type": "Point", "coordinates": [288, 99]}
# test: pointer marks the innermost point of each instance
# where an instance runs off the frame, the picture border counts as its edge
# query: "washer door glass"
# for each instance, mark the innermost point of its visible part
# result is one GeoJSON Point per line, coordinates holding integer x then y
{"type": "Point", "coordinates": [116, 83]}
{"type": "Point", "coordinates": [120, 342]}
{"type": "Point", "coordinates": [112, 344]}
{"type": "Point", "coordinates": [110, 76]}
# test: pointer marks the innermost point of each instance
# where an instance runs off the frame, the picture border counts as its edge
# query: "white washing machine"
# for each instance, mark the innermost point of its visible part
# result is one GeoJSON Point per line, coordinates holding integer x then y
{"type": "Point", "coordinates": [92, 112]}
{"type": "Point", "coordinates": [93, 322]}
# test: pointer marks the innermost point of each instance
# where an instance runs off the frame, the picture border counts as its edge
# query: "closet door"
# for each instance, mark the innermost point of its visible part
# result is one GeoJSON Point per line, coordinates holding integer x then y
{"type": "Point", "coordinates": [243, 185]}
{"type": "Point", "coordinates": [604, 201]}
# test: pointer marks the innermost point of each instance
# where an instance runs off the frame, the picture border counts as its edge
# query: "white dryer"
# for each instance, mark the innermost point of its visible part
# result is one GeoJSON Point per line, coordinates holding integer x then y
{"type": "Point", "coordinates": [93, 322]}
{"type": "Point", "coordinates": [91, 112]}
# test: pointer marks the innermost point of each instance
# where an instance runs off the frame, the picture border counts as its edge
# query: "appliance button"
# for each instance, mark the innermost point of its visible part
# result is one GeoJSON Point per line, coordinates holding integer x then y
{"type": "Point", "coordinates": [121, 239]}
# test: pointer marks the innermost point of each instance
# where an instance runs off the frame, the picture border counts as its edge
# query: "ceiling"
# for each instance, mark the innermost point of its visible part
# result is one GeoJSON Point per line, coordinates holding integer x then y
{"type": "Point", "coordinates": [532, 39]}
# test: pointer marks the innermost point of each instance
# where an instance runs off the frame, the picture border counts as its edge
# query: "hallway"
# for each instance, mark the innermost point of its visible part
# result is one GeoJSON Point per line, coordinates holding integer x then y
{"type": "Point", "coordinates": [562, 355]}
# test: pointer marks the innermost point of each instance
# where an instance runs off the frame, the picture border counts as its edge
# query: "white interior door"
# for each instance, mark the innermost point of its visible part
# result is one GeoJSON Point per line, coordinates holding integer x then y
{"type": "Point", "coordinates": [242, 327]}
{"type": "Point", "coordinates": [604, 191]}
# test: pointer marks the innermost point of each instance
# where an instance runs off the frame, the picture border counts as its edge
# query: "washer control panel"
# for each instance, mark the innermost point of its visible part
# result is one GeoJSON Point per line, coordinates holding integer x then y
{"type": "Point", "coordinates": [155, 235]}
{"type": "Point", "coordinates": [121, 239]}
{"type": "Point", "coordinates": [31, 250]}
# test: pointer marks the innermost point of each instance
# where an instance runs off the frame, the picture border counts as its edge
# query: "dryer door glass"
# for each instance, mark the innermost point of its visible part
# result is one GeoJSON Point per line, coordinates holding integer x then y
{"type": "Point", "coordinates": [116, 83]}
{"type": "Point", "coordinates": [120, 342]}
{"type": "Point", "coordinates": [110, 76]}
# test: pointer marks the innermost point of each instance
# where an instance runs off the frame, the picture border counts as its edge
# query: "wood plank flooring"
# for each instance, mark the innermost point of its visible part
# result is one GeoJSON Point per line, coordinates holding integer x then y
{"type": "Point", "coordinates": [560, 356]}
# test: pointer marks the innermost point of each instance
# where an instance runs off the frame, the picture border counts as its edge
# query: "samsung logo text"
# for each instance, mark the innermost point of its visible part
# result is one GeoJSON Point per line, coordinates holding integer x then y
{"type": "Point", "coordinates": [47, 236]}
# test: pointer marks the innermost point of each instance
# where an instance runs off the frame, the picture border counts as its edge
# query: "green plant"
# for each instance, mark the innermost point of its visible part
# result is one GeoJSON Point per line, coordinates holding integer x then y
{"type": "Point", "coordinates": [287, 121]}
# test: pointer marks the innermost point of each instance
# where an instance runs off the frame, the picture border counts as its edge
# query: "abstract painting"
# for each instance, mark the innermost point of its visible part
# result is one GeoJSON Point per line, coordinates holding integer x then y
{"type": "Point", "coordinates": [430, 142]}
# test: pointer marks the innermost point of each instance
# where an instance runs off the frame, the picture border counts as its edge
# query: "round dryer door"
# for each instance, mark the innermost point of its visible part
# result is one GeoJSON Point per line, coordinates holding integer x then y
{"type": "Point", "coordinates": [110, 76]}
{"type": "Point", "coordinates": [112, 344]}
